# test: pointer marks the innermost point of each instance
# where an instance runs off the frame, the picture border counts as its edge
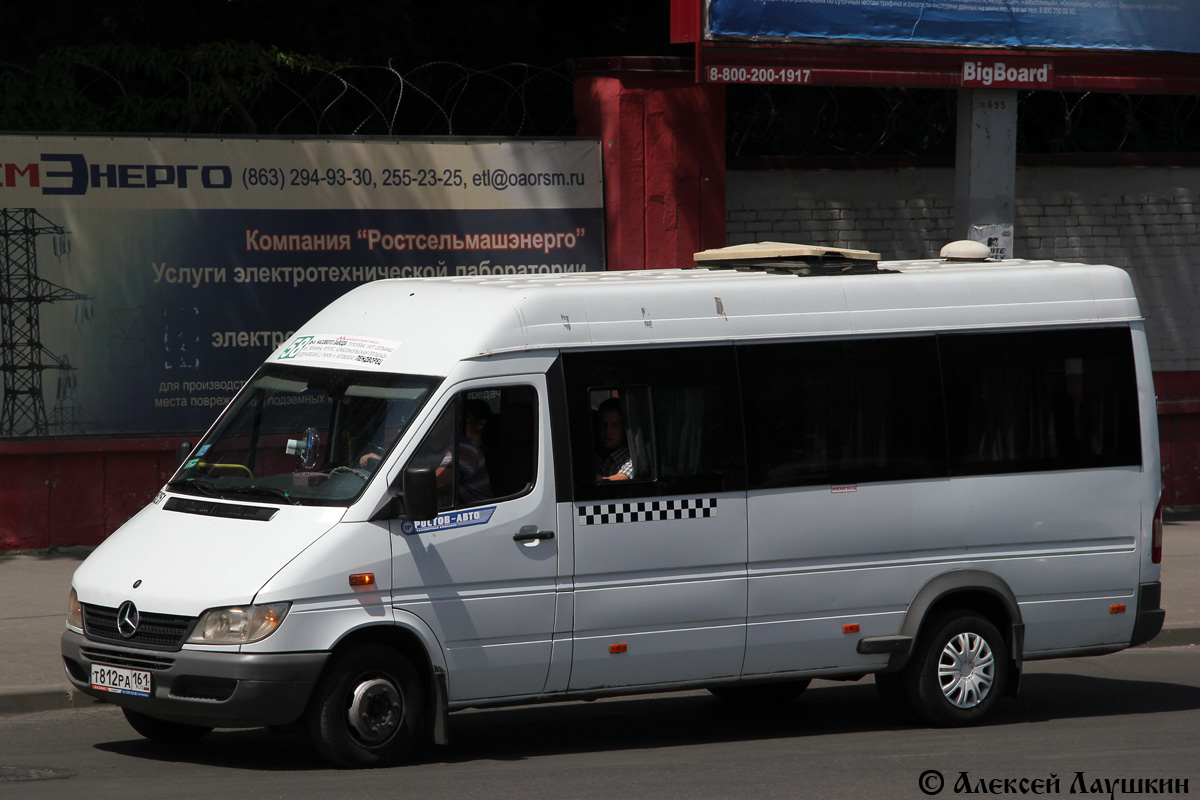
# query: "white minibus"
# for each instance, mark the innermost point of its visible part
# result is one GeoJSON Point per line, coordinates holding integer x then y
{"type": "Point", "coordinates": [787, 463]}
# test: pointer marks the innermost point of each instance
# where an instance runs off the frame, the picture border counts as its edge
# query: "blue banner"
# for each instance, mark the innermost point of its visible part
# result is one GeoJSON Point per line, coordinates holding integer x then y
{"type": "Point", "coordinates": [1076, 24]}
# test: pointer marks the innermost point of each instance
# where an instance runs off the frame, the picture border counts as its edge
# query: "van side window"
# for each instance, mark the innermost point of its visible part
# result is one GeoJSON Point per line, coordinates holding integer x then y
{"type": "Point", "coordinates": [681, 416]}
{"type": "Point", "coordinates": [842, 412]}
{"type": "Point", "coordinates": [483, 446]}
{"type": "Point", "coordinates": [1044, 400]}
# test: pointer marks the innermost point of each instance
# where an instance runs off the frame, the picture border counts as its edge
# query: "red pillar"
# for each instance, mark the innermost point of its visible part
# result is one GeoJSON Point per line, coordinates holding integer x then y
{"type": "Point", "coordinates": [1179, 436]}
{"type": "Point", "coordinates": [663, 141]}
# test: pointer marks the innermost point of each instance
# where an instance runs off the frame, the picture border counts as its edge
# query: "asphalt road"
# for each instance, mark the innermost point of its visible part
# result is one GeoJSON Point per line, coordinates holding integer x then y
{"type": "Point", "coordinates": [1134, 715]}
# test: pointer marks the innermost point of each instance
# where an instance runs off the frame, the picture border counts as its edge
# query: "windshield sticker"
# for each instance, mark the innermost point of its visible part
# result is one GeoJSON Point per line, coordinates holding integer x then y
{"type": "Point", "coordinates": [450, 521]}
{"type": "Point", "coordinates": [358, 351]}
{"type": "Point", "coordinates": [203, 450]}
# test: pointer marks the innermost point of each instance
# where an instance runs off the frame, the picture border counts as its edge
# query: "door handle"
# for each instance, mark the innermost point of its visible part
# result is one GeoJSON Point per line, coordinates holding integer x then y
{"type": "Point", "coordinates": [530, 533]}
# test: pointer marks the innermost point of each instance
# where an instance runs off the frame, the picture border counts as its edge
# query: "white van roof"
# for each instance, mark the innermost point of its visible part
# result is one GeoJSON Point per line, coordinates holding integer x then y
{"type": "Point", "coordinates": [427, 325]}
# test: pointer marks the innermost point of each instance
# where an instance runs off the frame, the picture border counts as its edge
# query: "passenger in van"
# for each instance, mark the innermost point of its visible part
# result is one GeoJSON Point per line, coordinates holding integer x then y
{"type": "Point", "coordinates": [613, 459]}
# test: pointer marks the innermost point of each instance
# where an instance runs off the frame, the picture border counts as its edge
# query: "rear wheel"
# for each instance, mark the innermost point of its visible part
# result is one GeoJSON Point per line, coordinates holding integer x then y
{"type": "Point", "coordinates": [159, 730]}
{"type": "Point", "coordinates": [959, 671]}
{"type": "Point", "coordinates": [367, 709]}
{"type": "Point", "coordinates": [761, 693]}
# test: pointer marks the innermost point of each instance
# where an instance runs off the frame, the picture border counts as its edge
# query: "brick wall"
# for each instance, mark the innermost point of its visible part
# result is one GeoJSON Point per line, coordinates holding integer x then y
{"type": "Point", "coordinates": [1146, 220]}
{"type": "Point", "coordinates": [898, 213]}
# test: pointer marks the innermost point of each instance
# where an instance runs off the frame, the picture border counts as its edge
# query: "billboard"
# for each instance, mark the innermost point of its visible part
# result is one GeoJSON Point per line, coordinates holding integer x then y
{"type": "Point", "coordinates": [1082, 24]}
{"type": "Point", "coordinates": [145, 278]}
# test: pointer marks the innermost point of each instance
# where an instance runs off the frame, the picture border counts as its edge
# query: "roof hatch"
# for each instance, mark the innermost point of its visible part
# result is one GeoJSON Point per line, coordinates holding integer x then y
{"type": "Point", "coordinates": [793, 259]}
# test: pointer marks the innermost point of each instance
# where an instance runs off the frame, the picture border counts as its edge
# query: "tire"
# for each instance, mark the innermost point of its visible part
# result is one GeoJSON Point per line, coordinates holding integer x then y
{"type": "Point", "coordinates": [367, 709]}
{"type": "Point", "coordinates": [159, 730]}
{"type": "Point", "coordinates": [761, 694]}
{"type": "Point", "coordinates": [959, 671]}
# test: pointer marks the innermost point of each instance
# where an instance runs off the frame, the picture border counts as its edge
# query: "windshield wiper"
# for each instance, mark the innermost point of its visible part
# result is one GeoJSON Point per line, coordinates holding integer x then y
{"type": "Point", "coordinates": [266, 491]}
{"type": "Point", "coordinates": [200, 486]}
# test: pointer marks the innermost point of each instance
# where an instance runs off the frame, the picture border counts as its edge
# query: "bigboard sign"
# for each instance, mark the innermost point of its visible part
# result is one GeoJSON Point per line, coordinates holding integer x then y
{"type": "Point", "coordinates": [146, 278]}
{"type": "Point", "coordinates": [1088, 24]}
{"type": "Point", "coordinates": [1082, 24]}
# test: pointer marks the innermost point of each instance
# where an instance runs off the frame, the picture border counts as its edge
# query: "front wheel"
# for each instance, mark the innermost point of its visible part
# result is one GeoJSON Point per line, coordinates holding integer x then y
{"type": "Point", "coordinates": [367, 709]}
{"type": "Point", "coordinates": [160, 730]}
{"type": "Point", "coordinates": [959, 671]}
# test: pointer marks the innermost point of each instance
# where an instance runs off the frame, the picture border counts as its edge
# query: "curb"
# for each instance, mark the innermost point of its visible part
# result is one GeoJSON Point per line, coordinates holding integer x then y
{"type": "Point", "coordinates": [30, 699]}
{"type": "Point", "coordinates": [1175, 637]}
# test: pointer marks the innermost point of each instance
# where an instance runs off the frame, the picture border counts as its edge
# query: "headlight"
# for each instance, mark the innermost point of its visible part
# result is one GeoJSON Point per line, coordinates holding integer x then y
{"type": "Point", "coordinates": [74, 611]}
{"type": "Point", "coordinates": [238, 624]}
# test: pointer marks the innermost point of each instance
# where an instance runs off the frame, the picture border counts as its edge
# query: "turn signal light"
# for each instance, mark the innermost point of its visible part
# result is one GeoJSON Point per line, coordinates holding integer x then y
{"type": "Point", "coordinates": [1116, 608]}
{"type": "Point", "coordinates": [851, 628]}
{"type": "Point", "coordinates": [363, 579]}
{"type": "Point", "coordinates": [618, 648]}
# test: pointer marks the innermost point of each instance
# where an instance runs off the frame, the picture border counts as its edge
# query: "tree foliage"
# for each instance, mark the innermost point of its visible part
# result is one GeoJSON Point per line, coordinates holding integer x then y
{"type": "Point", "coordinates": [246, 88]}
{"type": "Point", "coordinates": [123, 87]}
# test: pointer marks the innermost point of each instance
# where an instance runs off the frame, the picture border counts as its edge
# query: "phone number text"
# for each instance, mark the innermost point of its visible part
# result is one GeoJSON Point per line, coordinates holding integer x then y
{"type": "Point", "coordinates": [278, 177]}
{"type": "Point", "coordinates": [758, 75]}
{"type": "Point", "coordinates": [283, 178]}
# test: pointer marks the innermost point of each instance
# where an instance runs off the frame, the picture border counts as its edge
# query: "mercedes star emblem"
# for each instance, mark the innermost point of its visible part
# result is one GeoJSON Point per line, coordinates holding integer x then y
{"type": "Point", "coordinates": [127, 619]}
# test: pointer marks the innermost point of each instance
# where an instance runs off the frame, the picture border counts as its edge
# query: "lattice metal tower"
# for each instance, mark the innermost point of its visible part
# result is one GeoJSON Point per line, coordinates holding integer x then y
{"type": "Point", "coordinates": [23, 359]}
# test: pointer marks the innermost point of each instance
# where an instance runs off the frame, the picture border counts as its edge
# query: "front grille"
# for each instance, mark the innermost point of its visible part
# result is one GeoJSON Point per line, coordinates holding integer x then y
{"type": "Point", "coordinates": [155, 631]}
{"type": "Point", "coordinates": [114, 658]}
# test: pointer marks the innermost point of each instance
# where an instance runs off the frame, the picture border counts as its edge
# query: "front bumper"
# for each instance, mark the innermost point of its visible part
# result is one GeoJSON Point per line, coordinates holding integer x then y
{"type": "Point", "coordinates": [201, 687]}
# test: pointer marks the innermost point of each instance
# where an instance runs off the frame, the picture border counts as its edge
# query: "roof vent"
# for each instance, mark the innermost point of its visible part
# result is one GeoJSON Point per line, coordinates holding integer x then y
{"type": "Point", "coordinates": [794, 259]}
{"type": "Point", "coordinates": [966, 250]}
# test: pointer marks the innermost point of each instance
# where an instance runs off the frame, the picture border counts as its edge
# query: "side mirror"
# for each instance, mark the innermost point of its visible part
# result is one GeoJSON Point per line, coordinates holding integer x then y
{"type": "Point", "coordinates": [182, 452]}
{"type": "Point", "coordinates": [420, 493]}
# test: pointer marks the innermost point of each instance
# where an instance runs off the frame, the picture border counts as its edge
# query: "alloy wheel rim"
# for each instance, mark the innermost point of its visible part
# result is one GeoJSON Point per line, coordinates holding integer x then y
{"type": "Point", "coordinates": [966, 670]}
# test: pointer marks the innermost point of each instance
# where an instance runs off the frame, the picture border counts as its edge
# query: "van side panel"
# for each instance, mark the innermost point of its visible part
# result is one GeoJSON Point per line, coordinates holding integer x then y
{"type": "Point", "coordinates": [488, 596]}
{"type": "Point", "coordinates": [821, 557]}
{"type": "Point", "coordinates": [824, 557]}
{"type": "Point", "coordinates": [1065, 542]}
{"type": "Point", "coordinates": [670, 588]}
{"type": "Point", "coordinates": [660, 552]}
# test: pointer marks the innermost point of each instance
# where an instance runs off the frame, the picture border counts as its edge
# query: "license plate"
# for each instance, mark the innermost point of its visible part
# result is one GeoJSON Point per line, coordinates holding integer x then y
{"type": "Point", "coordinates": [121, 681]}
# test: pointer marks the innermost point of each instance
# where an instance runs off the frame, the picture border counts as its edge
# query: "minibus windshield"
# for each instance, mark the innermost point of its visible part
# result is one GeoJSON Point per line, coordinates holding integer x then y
{"type": "Point", "coordinates": [303, 436]}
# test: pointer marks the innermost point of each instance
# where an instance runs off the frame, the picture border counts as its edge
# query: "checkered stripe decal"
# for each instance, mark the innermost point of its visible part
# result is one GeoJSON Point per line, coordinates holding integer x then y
{"type": "Point", "coordinates": [650, 511]}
